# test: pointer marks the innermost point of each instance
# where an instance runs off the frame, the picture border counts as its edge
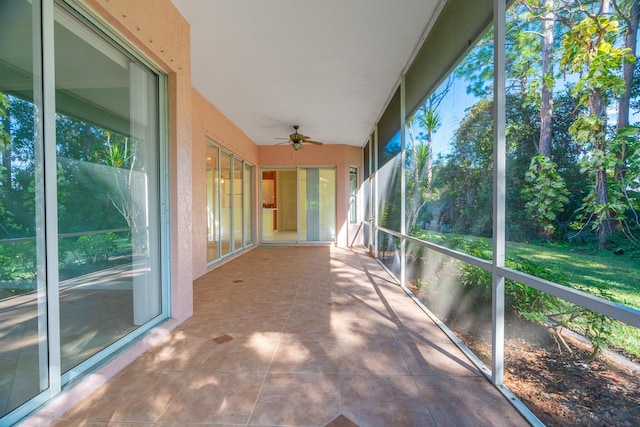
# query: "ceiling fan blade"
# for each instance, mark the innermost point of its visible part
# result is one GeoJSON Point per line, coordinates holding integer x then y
{"type": "Point", "coordinates": [308, 141]}
{"type": "Point", "coordinates": [282, 138]}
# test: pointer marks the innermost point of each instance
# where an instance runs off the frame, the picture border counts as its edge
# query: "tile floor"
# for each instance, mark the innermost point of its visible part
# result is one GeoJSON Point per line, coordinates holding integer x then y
{"type": "Point", "coordinates": [299, 336]}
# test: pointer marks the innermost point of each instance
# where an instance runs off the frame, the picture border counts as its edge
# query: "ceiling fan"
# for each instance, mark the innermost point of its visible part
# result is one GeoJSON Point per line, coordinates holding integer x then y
{"type": "Point", "coordinates": [296, 139]}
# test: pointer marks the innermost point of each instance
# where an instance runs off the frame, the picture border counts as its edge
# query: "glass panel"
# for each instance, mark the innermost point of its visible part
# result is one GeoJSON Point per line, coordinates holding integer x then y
{"type": "Point", "coordinates": [213, 208]}
{"type": "Point", "coordinates": [108, 189]}
{"type": "Point", "coordinates": [459, 294]}
{"type": "Point", "coordinates": [389, 193]}
{"type": "Point", "coordinates": [286, 214]}
{"type": "Point", "coordinates": [449, 157]}
{"type": "Point", "coordinates": [237, 203]}
{"type": "Point", "coordinates": [559, 361]}
{"type": "Point", "coordinates": [389, 252]}
{"type": "Point", "coordinates": [316, 200]}
{"type": "Point", "coordinates": [248, 209]}
{"type": "Point", "coordinates": [327, 187]}
{"type": "Point", "coordinates": [572, 188]}
{"type": "Point", "coordinates": [23, 309]}
{"type": "Point", "coordinates": [225, 203]}
{"type": "Point", "coordinates": [366, 203]}
{"type": "Point", "coordinates": [389, 131]}
{"type": "Point", "coordinates": [353, 195]}
{"type": "Point", "coordinates": [269, 218]}
{"type": "Point", "coordinates": [366, 171]}
{"type": "Point", "coordinates": [303, 193]}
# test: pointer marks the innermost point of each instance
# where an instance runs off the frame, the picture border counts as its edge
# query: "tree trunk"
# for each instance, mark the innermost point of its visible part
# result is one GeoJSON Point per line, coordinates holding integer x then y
{"type": "Point", "coordinates": [605, 226]}
{"type": "Point", "coordinates": [6, 153]}
{"type": "Point", "coordinates": [627, 74]}
{"type": "Point", "coordinates": [429, 163]}
{"type": "Point", "coordinates": [546, 92]}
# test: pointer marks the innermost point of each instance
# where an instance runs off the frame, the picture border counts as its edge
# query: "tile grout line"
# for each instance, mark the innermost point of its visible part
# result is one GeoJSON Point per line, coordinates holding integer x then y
{"type": "Point", "coordinates": [193, 374]}
{"type": "Point", "coordinates": [273, 356]}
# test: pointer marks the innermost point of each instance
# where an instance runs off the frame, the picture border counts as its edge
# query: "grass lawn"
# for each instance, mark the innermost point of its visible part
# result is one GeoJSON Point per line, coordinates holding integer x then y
{"type": "Point", "coordinates": [587, 270]}
{"type": "Point", "coordinates": [580, 267]}
{"type": "Point", "coordinates": [583, 269]}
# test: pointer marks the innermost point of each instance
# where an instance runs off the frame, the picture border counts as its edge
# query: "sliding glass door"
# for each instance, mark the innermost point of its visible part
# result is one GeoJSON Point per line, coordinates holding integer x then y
{"type": "Point", "coordinates": [298, 205]}
{"type": "Point", "coordinates": [230, 212]}
{"type": "Point", "coordinates": [80, 195]}
{"type": "Point", "coordinates": [108, 194]}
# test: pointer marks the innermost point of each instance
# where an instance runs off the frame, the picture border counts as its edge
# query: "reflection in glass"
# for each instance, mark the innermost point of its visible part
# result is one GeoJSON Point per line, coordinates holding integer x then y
{"type": "Point", "coordinates": [389, 194]}
{"type": "Point", "coordinates": [225, 203]}
{"type": "Point", "coordinates": [237, 203]}
{"type": "Point", "coordinates": [366, 203]}
{"type": "Point", "coordinates": [248, 205]}
{"type": "Point", "coordinates": [23, 310]}
{"type": "Point", "coordinates": [327, 205]}
{"type": "Point", "coordinates": [353, 195]}
{"type": "Point", "coordinates": [108, 189]}
{"type": "Point", "coordinates": [213, 203]}
{"type": "Point", "coordinates": [316, 200]}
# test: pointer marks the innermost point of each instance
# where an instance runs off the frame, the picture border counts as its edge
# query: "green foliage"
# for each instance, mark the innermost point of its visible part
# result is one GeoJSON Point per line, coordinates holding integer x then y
{"type": "Point", "coordinates": [595, 326]}
{"type": "Point", "coordinates": [17, 261]}
{"type": "Point", "coordinates": [621, 161]}
{"type": "Point", "coordinates": [588, 48]}
{"type": "Point", "coordinates": [545, 192]}
{"type": "Point", "coordinates": [527, 302]}
{"type": "Point", "coordinates": [118, 153]}
{"type": "Point", "coordinates": [464, 177]}
{"type": "Point", "coordinates": [5, 137]}
{"type": "Point", "coordinates": [95, 248]}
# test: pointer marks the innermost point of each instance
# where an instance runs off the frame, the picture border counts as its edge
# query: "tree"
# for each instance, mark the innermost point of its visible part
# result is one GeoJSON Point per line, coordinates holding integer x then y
{"type": "Point", "coordinates": [546, 194]}
{"type": "Point", "coordinates": [121, 158]}
{"type": "Point", "coordinates": [465, 177]}
{"type": "Point", "coordinates": [546, 87]}
{"type": "Point", "coordinates": [588, 49]}
{"type": "Point", "coordinates": [5, 140]}
{"type": "Point", "coordinates": [626, 168]}
{"type": "Point", "coordinates": [419, 160]}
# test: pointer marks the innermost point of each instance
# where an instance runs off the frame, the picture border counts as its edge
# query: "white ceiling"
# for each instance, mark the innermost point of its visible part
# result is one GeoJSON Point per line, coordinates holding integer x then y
{"type": "Point", "coordinates": [328, 66]}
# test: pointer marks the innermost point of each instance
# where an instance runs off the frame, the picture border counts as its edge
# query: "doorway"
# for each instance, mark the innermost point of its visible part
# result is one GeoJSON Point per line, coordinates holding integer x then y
{"type": "Point", "coordinates": [298, 205]}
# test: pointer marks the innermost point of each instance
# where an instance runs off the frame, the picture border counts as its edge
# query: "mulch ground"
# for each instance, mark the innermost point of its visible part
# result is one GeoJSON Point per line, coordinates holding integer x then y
{"type": "Point", "coordinates": [562, 388]}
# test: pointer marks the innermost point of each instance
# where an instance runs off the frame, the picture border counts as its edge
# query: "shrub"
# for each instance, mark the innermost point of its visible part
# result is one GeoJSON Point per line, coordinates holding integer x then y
{"type": "Point", "coordinates": [95, 248]}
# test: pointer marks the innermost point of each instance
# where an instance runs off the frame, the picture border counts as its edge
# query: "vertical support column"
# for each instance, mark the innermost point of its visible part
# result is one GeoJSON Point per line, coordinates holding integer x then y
{"type": "Point", "coordinates": [51, 194]}
{"type": "Point", "coordinates": [374, 202]}
{"type": "Point", "coordinates": [499, 179]}
{"type": "Point", "coordinates": [403, 199]}
{"type": "Point", "coordinates": [232, 208]}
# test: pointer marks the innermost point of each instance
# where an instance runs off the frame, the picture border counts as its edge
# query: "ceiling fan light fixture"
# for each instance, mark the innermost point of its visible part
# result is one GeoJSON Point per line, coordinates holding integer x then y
{"type": "Point", "coordinates": [296, 145]}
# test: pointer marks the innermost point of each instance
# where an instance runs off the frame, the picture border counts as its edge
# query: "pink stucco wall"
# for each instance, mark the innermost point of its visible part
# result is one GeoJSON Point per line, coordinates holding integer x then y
{"type": "Point", "coordinates": [210, 124]}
